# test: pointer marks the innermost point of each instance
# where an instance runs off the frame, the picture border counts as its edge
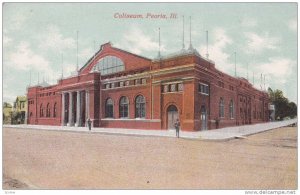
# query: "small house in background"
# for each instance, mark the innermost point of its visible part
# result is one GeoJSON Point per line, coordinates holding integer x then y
{"type": "Point", "coordinates": [7, 113]}
{"type": "Point", "coordinates": [20, 110]}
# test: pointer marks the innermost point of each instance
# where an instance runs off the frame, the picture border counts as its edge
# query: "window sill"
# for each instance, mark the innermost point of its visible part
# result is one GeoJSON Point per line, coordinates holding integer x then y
{"type": "Point", "coordinates": [140, 118]}
{"type": "Point", "coordinates": [204, 94]}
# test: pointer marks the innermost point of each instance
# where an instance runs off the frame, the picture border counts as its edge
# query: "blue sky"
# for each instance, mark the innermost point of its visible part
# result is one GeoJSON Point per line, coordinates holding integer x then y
{"type": "Point", "coordinates": [36, 35]}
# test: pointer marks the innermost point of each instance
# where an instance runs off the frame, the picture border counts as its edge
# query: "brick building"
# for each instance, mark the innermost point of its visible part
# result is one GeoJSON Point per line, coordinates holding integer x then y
{"type": "Point", "coordinates": [118, 89]}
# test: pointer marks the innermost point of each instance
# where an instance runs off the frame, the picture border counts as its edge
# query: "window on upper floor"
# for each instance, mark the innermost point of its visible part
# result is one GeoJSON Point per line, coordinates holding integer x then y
{"type": "Point", "coordinates": [173, 87]}
{"type": "Point", "coordinates": [180, 86]}
{"type": "Point", "coordinates": [121, 83]}
{"type": "Point", "coordinates": [203, 88]}
{"type": "Point", "coordinates": [166, 88]}
{"type": "Point", "coordinates": [109, 65]}
{"type": "Point", "coordinates": [137, 81]}
{"type": "Point", "coordinates": [107, 86]}
{"type": "Point", "coordinates": [144, 81]}
{"type": "Point", "coordinates": [220, 84]}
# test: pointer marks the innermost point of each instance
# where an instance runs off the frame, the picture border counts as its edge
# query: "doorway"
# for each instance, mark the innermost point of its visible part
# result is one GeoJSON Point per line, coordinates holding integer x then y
{"type": "Point", "coordinates": [203, 118]}
{"type": "Point", "coordinates": [172, 116]}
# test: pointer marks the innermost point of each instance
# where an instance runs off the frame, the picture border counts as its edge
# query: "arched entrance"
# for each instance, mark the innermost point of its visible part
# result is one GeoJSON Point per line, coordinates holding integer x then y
{"type": "Point", "coordinates": [203, 118]}
{"type": "Point", "coordinates": [172, 114]}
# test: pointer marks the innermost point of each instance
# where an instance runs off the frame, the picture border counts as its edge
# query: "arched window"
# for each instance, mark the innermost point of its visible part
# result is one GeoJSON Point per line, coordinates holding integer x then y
{"type": "Point", "coordinates": [54, 110]}
{"type": "Point", "coordinates": [123, 108]}
{"type": "Point", "coordinates": [140, 105]}
{"type": "Point", "coordinates": [109, 65]}
{"type": "Point", "coordinates": [221, 108]}
{"type": "Point", "coordinates": [231, 109]}
{"type": "Point", "coordinates": [41, 111]}
{"type": "Point", "coordinates": [109, 108]}
{"type": "Point", "coordinates": [48, 110]}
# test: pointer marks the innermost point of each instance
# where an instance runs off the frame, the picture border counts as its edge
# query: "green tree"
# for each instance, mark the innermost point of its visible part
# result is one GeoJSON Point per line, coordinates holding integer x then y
{"type": "Point", "coordinates": [292, 109]}
{"type": "Point", "coordinates": [283, 108]}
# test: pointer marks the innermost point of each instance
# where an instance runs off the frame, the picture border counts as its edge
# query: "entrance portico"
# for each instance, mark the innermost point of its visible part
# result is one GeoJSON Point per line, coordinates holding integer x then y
{"type": "Point", "coordinates": [75, 106]}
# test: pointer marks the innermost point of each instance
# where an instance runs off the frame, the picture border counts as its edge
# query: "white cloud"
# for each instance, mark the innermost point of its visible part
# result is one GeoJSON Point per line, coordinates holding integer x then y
{"type": "Point", "coordinates": [292, 24]}
{"type": "Point", "coordinates": [217, 50]}
{"type": "Point", "coordinates": [258, 43]}
{"type": "Point", "coordinates": [136, 41]}
{"type": "Point", "coordinates": [54, 40]}
{"type": "Point", "coordinates": [23, 58]}
{"type": "Point", "coordinates": [277, 68]}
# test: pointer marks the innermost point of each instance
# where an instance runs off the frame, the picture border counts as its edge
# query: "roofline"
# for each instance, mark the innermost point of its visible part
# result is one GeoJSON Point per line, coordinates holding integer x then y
{"type": "Point", "coordinates": [132, 53]}
{"type": "Point", "coordinates": [91, 58]}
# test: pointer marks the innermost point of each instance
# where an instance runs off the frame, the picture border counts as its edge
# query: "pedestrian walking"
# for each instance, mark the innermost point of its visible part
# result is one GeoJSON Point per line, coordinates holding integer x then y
{"type": "Point", "coordinates": [177, 126]}
{"type": "Point", "coordinates": [89, 124]}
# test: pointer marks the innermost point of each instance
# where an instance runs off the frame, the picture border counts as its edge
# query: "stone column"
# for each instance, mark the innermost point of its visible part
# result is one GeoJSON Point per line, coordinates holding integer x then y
{"type": "Point", "coordinates": [78, 110]}
{"type": "Point", "coordinates": [62, 109]}
{"type": "Point", "coordinates": [71, 121]}
{"type": "Point", "coordinates": [87, 110]}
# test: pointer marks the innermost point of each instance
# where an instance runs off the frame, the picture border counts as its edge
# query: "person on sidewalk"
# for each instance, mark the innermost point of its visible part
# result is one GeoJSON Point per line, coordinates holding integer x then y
{"type": "Point", "coordinates": [89, 124]}
{"type": "Point", "coordinates": [177, 126]}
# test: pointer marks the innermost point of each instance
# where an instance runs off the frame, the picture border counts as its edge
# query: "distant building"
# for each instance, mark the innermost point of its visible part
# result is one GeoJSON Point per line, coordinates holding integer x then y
{"type": "Point", "coordinates": [119, 89]}
{"type": "Point", "coordinates": [272, 112]}
{"type": "Point", "coordinates": [20, 110]}
{"type": "Point", "coordinates": [7, 113]}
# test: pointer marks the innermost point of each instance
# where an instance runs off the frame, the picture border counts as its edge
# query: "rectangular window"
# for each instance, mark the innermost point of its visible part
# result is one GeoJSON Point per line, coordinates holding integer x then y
{"type": "Point", "coordinates": [121, 83]}
{"type": "Point", "coordinates": [166, 88]}
{"type": "Point", "coordinates": [219, 84]}
{"type": "Point", "coordinates": [107, 86]}
{"type": "Point", "coordinates": [180, 87]}
{"type": "Point", "coordinates": [127, 83]}
{"type": "Point", "coordinates": [137, 81]}
{"type": "Point", "coordinates": [143, 81]}
{"type": "Point", "coordinates": [173, 87]}
{"type": "Point", "coordinates": [207, 90]}
{"type": "Point", "coordinates": [203, 88]}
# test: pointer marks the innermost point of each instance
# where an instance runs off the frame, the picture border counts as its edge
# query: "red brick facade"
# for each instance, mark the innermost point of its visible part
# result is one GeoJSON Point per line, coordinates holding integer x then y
{"type": "Point", "coordinates": [184, 86]}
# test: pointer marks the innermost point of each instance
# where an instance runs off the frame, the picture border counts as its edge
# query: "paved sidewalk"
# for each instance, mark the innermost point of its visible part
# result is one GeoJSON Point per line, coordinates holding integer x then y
{"type": "Point", "coordinates": [219, 134]}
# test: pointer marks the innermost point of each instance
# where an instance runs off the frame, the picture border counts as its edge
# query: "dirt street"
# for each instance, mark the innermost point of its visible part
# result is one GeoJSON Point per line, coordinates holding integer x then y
{"type": "Point", "coordinates": [39, 159]}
